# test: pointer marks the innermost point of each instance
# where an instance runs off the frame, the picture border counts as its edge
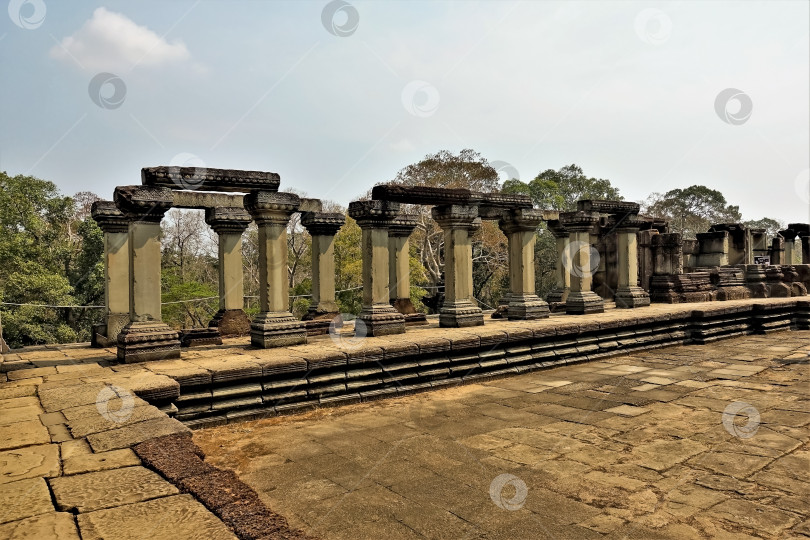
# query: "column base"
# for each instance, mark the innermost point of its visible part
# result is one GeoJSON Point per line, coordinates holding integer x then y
{"type": "Point", "coordinates": [381, 320]}
{"type": "Point", "coordinates": [523, 307]}
{"type": "Point", "coordinates": [146, 342]}
{"type": "Point", "coordinates": [460, 314]}
{"type": "Point", "coordinates": [319, 322]}
{"type": "Point", "coordinates": [631, 297]}
{"type": "Point", "coordinates": [231, 322]}
{"type": "Point", "coordinates": [200, 337]}
{"type": "Point", "coordinates": [277, 329]}
{"type": "Point", "coordinates": [405, 306]}
{"type": "Point", "coordinates": [556, 299]}
{"type": "Point", "coordinates": [580, 303]}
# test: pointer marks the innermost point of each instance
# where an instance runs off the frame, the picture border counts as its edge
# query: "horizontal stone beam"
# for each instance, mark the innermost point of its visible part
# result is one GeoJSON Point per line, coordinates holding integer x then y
{"type": "Point", "coordinates": [200, 200]}
{"type": "Point", "coordinates": [202, 178]}
{"type": "Point", "coordinates": [608, 207]}
{"type": "Point", "coordinates": [444, 196]}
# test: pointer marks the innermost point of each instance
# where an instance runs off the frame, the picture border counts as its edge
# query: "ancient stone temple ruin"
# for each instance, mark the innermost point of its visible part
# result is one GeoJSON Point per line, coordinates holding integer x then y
{"type": "Point", "coordinates": [607, 255]}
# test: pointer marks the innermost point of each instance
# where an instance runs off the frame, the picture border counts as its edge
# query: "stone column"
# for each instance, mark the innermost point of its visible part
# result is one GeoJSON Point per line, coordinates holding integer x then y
{"type": "Point", "coordinates": [558, 295]}
{"type": "Point", "coordinates": [399, 271]}
{"type": "Point", "coordinates": [581, 299]}
{"type": "Point", "coordinates": [229, 223]}
{"type": "Point", "coordinates": [322, 227]}
{"type": "Point", "coordinates": [115, 227]}
{"type": "Point", "coordinates": [805, 239]}
{"type": "Point", "coordinates": [628, 293]}
{"type": "Point", "coordinates": [790, 243]}
{"type": "Point", "coordinates": [714, 249]}
{"type": "Point", "coordinates": [459, 309]}
{"type": "Point", "coordinates": [777, 251]}
{"type": "Point", "coordinates": [145, 337]}
{"type": "Point", "coordinates": [274, 326]}
{"type": "Point", "coordinates": [378, 316]}
{"type": "Point", "coordinates": [520, 227]}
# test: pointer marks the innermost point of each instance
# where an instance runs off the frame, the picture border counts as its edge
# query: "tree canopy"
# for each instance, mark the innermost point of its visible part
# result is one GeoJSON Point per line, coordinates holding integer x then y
{"type": "Point", "coordinates": [692, 210]}
{"type": "Point", "coordinates": [561, 189]}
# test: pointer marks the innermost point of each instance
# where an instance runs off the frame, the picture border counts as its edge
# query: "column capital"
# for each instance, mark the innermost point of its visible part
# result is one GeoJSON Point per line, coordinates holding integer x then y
{"type": "Point", "coordinates": [520, 220]}
{"type": "Point", "coordinates": [579, 221]}
{"type": "Point", "coordinates": [627, 224]}
{"type": "Point", "coordinates": [373, 214]}
{"type": "Point", "coordinates": [228, 220]}
{"type": "Point", "coordinates": [556, 228]}
{"type": "Point", "coordinates": [269, 207]}
{"type": "Point", "coordinates": [454, 216]}
{"type": "Point", "coordinates": [403, 225]}
{"type": "Point", "coordinates": [322, 223]}
{"type": "Point", "coordinates": [109, 218]}
{"type": "Point", "coordinates": [143, 203]}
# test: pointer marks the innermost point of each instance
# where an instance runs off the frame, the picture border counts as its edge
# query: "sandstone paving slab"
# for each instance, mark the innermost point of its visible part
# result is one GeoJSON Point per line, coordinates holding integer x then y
{"type": "Point", "coordinates": [20, 401]}
{"type": "Point", "coordinates": [107, 419]}
{"type": "Point", "coordinates": [29, 462]}
{"type": "Point", "coordinates": [56, 397]}
{"type": "Point", "coordinates": [114, 459]}
{"type": "Point", "coordinates": [106, 489]}
{"type": "Point", "coordinates": [54, 525]}
{"type": "Point", "coordinates": [130, 435]}
{"type": "Point", "coordinates": [23, 499]}
{"type": "Point", "coordinates": [30, 373]}
{"type": "Point", "coordinates": [755, 517]}
{"type": "Point", "coordinates": [11, 392]}
{"type": "Point", "coordinates": [730, 463]}
{"type": "Point", "coordinates": [21, 434]}
{"type": "Point", "coordinates": [179, 517]}
{"type": "Point", "coordinates": [73, 448]}
{"type": "Point", "coordinates": [20, 414]}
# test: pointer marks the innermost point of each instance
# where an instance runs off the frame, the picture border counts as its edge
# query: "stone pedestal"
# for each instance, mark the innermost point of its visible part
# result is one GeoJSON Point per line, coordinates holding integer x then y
{"type": "Point", "coordinates": [115, 227]}
{"type": "Point", "coordinates": [577, 260]}
{"type": "Point", "coordinates": [755, 277]}
{"type": "Point", "coordinates": [323, 310]}
{"type": "Point", "coordinates": [520, 227]}
{"type": "Point", "coordinates": [274, 326]}
{"type": "Point", "coordinates": [378, 317]}
{"type": "Point", "coordinates": [459, 309]}
{"type": "Point", "coordinates": [145, 337]}
{"type": "Point", "coordinates": [562, 279]}
{"type": "Point", "coordinates": [628, 293]}
{"type": "Point", "coordinates": [229, 224]}
{"type": "Point", "coordinates": [399, 272]}
{"type": "Point", "coordinates": [790, 244]}
{"type": "Point", "coordinates": [714, 248]}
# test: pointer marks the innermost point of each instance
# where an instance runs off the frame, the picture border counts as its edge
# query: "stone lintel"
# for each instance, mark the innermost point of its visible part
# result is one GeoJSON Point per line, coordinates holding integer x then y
{"type": "Point", "coordinates": [109, 218]}
{"type": "Point", "coordinates": [322, 223]}
{"type": "Point", "coordinates": [310, 205]}
{"type": "Point", "coordinates": [373, 214]}
{"type": "Point", "coordinates": [403, 225]}
{"type": "Point", "coordinates": [202, 200]}
{"type": "Point", "coordinates": [228, 220]}
{"type": "Point", "coordinates": [143, 203]}
{"type": "Point", "coordinates": [268, 207]}
{"type": "Point", "coordinates": [203, 178]}
{"type": "Point", "coordinates": [447, 196]}
{"type": "Point", "coordinates": [608, 207]}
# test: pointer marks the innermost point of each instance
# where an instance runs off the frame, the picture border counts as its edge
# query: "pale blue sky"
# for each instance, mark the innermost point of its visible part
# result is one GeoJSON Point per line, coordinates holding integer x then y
{"type": "Point", "coordinates": [626, 90]}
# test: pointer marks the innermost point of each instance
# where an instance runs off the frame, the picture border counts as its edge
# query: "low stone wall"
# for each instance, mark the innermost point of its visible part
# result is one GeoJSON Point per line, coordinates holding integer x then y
{"type": "Point", "coordinates": [248, 388]}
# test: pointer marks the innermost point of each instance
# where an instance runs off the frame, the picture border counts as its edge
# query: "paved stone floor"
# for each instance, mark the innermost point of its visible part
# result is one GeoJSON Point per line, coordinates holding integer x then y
{"type": "Point", "coordinates": [698, 441]}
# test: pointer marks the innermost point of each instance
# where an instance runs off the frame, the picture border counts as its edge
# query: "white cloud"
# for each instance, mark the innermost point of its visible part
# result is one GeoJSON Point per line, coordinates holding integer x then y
{"type": "Point", "coordinates": [112, 41]}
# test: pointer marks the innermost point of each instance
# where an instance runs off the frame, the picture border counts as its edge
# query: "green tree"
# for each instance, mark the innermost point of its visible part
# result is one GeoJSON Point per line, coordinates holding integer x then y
{"type": "Point", "coordinates": [692, 210]}
{"type": "Point", "coordinates": [560, 190]}
{"type": "Point", "coordinates": [771, 226]}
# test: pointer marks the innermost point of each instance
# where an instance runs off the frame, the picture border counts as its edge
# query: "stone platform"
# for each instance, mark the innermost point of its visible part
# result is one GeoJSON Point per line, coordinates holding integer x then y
{"type": "Point", "coordinates": [677, 443]}
{"type": "Point", "coordinates": [88, 445]}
